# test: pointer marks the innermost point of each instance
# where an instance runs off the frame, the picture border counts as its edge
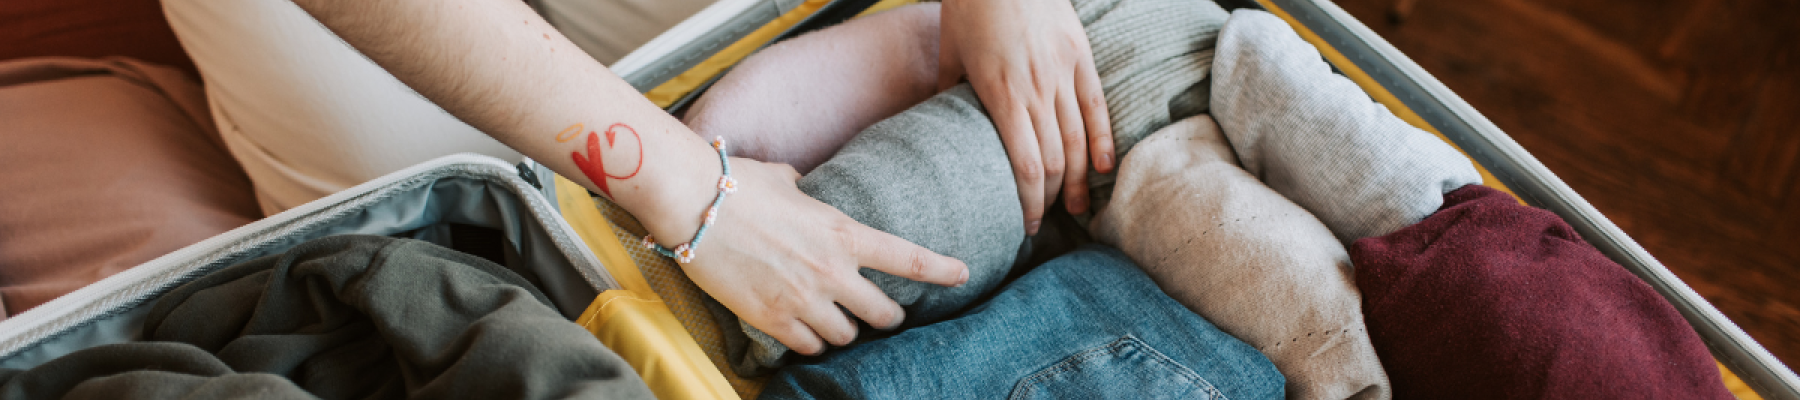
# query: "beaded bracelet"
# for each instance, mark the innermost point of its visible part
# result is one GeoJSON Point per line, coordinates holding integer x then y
{"type": "Point", "coordinates": [684, 253]}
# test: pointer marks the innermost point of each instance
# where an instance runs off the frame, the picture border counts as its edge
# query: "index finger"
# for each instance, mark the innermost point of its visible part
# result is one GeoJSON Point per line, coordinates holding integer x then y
{"type": "Point", "coordinates": [884, 252]}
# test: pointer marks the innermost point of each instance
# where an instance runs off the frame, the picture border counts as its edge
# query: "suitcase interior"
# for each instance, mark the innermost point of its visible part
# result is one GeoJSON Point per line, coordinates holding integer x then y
{"type": "Point", "coordinates": [1411, 93]}
{"type": "Point", "coordinates": [478, 200]}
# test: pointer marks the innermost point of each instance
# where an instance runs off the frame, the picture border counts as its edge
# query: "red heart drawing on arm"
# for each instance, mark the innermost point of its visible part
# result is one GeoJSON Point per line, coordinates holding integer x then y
{"type": "Point", "coordinates": [595, 168]}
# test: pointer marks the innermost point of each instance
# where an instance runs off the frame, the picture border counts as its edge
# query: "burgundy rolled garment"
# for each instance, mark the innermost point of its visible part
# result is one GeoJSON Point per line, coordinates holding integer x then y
{"type": "Point", "coordinates": [1491, 299]}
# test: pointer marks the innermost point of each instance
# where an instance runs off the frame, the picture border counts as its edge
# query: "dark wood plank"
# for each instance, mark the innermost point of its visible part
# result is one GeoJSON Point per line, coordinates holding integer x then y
{"type": "Point", "coordinates": [1766, 155]}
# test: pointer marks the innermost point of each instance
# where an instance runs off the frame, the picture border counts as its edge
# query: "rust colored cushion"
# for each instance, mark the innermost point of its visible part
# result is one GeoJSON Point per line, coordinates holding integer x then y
{"type": "Point", "coordinates": [106, 164]}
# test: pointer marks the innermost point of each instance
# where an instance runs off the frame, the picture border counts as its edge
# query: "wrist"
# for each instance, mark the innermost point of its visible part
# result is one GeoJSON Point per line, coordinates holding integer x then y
{"type": "Point", "coordinates": [673, 206]}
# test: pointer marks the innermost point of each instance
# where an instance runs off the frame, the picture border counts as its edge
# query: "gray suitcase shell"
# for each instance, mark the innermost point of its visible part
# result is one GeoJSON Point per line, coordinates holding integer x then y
{"type": "Point", "coordinates": [487, 192]}
{"type": "Point", "coordinates": [417, 202]}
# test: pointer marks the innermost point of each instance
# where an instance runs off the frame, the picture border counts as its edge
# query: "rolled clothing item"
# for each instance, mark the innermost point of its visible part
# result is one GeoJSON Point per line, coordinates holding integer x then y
{"type": "Point", "coordinates": [1253, 263]}
{"type": "Point", "coordinates": [1085, 325]}
{"type": "Point", "coordinates": [1153, 57]}
{"type": "Point", "coordinates": [346, 317]}
{"type": "Point", "coordinates": [937, 174]}
{"type": "Point", "coordinates": [1492, 299]}
{"type": "Point", "coordinates": [1318, 139]}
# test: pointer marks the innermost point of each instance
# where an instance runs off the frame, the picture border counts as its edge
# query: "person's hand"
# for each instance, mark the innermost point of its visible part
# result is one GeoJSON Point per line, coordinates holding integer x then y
{"type": "Point", "coordinates": [784, 262]}
{"type": "Point", "coordinates": [1030, 63]}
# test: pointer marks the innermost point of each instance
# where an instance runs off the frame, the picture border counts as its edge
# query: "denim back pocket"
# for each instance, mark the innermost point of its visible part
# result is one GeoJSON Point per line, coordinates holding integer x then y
{"type": "Point", "coordinates": [1124, 369]}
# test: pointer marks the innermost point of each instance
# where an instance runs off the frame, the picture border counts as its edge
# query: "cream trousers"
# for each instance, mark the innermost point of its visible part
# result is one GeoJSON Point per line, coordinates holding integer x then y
{"type": "Point", "coordinates": [307, 115]}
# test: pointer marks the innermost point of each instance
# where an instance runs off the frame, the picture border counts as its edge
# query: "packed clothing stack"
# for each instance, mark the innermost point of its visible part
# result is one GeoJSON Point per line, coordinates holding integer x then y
{"type": "Point", "coordinates": [1270, 232]}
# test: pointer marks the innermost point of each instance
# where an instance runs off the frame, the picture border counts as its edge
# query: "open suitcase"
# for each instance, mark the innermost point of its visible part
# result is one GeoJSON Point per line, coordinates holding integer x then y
{"type": "Point", "coordinates": [1381, 70]}
{"type": "Point", "coordinates": [640, 305]}
{"type": "Point", "coordinates": [1414, 95]}
{"type": "Point", "coordinates": [473, 203]}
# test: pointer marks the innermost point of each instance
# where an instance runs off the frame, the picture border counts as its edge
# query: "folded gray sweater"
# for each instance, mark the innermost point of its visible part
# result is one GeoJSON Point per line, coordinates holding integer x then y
{"type": "Point", "coordinates": [1315, 137]}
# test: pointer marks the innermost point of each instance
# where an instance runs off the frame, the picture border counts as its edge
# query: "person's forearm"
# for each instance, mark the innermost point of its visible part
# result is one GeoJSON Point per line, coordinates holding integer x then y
{"type": "Point", "coordinates": [502, 69]}
{"type": "Point", "coordinates": [783, 262]}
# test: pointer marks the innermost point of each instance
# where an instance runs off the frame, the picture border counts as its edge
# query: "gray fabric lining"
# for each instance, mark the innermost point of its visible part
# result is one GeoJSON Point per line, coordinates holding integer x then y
{"type": "Point", "coordinates": [460, 189]}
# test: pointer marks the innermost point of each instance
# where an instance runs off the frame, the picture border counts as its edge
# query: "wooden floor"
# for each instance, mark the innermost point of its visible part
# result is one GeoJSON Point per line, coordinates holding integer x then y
{"type": "Point", "coordinates": [1678, 119]}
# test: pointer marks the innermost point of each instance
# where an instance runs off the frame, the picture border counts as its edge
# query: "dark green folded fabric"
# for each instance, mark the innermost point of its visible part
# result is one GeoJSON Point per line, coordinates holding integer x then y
{"type": "Point", "coordinates": [346, 317]}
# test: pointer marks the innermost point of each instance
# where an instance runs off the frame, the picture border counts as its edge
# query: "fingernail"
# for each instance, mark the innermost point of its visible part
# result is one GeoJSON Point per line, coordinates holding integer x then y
{"type": "Point", "coordinates": [964, 279]}
{"type": "Point", "coordinates": [1032, 227]}
{"type": "Point", "coordinates": [1106, 162]}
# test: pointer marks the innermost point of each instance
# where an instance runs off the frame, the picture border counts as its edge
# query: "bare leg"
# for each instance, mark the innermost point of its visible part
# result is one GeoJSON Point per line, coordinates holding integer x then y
{"type": "Point", "coordinates": [800, 100]}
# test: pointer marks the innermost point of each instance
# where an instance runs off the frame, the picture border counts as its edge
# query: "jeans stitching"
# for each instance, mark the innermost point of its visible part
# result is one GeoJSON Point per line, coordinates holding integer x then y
{"type": "Point", "coordinates": [1115, 347]}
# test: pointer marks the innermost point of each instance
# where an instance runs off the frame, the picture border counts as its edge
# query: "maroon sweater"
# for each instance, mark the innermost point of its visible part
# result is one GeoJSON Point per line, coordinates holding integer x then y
{"type": "Point", "coordinates": [1490, 299]}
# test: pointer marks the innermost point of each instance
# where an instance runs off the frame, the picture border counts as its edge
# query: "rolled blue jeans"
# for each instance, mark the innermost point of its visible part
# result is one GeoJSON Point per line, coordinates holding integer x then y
{"type": "Point", "coordinates": [1086, 325]}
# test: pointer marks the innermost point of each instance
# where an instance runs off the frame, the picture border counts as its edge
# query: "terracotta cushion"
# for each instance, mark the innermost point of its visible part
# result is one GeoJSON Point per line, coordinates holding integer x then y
{"type": "Point", "coordinates": [106, 164]}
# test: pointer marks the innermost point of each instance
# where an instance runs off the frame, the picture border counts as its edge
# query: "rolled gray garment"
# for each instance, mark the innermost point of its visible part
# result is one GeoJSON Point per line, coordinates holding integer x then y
{"type": "Point", "coordinates": [1153, 57]}
{"type": "Point", "coordinates": [938, 175]}
{"type": "Point", "coordinates": [935, 175]}
{"type": "Point", "coordinates": [1318, 139]}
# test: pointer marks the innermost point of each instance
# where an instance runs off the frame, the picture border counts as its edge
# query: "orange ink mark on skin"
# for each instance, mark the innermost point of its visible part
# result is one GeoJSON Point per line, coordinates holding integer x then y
{"type": "Point", "coordinates": [595, 168]}
{"type": "Point", "coordinates": [569, 133]}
